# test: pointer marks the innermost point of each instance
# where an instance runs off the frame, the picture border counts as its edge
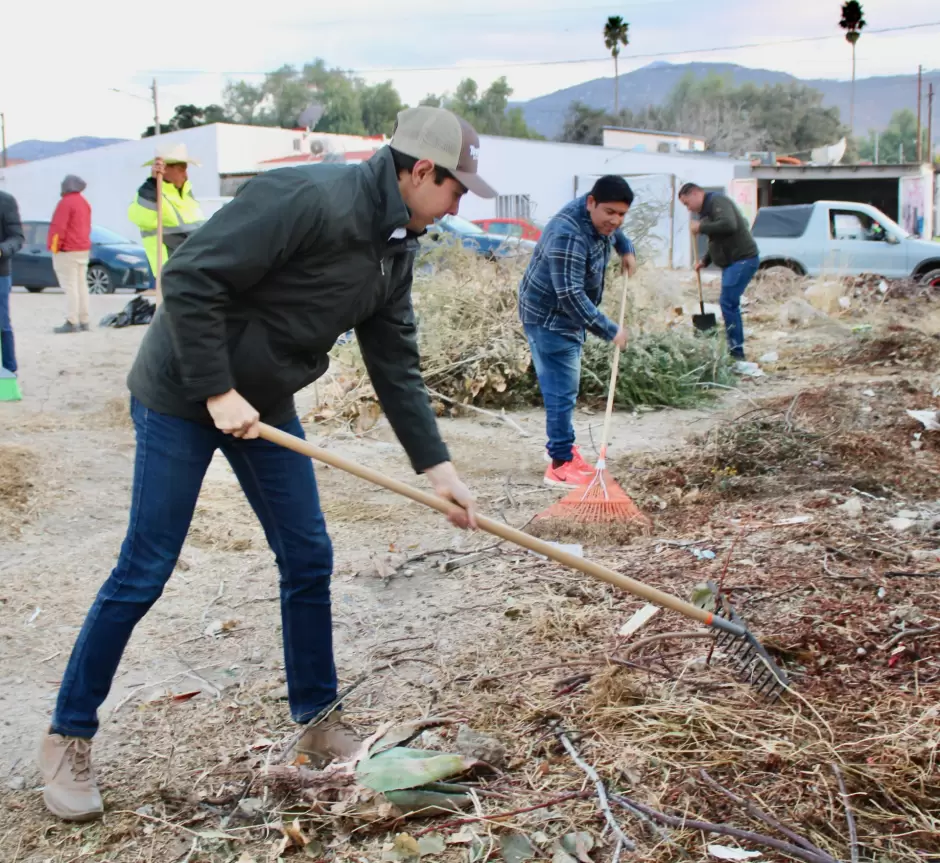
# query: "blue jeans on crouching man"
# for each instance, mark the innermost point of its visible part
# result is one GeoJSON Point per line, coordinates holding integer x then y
{"type": "Point", "coordinates": [557, 361]}
{"type": "Point", "coordinates": [734, 280]}
{"type": "Point", "coordinates": [172, 458]}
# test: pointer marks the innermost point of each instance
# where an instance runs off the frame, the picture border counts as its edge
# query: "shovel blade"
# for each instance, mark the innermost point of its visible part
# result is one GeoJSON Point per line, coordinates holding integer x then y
{"type": "Point", "coordinates": [704, 323]}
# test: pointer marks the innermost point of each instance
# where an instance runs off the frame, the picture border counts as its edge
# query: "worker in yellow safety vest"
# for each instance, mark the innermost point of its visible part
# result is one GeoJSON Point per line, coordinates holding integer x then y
{"type": "Point", "coordinates": [181, 211]}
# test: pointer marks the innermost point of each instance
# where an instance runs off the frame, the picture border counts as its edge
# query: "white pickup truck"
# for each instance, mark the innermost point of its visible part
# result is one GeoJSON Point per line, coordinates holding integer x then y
{"type": "Point", "coordinates": [842, 238]}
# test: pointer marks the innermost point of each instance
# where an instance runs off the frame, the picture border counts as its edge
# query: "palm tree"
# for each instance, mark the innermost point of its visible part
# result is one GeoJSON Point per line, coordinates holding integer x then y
{"type": "Point", "coordinates": [852, 22]}
{"type": "Point", "coordinates": [616, 33]}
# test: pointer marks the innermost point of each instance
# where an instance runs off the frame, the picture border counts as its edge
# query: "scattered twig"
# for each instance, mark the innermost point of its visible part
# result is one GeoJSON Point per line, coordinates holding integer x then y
{"type": "Point", "coordinates": [465, 560]}
{"type": "Point", "coordinates": [907, 633]}
{"type": "Point", "coordinates": [849, 817]}
{"type": "Point", "coordinates": [501, 816]}
{"type": "Point", "coordinates": [760, 815]}
{"type": "Point", "coordinates": [519, 672]}
{"type": "Point", "coordinates": [723, 830]}
{"type": "Point", "coordinates": [214, 600]}
{"type": "Point", "coordinates": [662, 636]}
{"type": "Point", "coordinates": [502, 416]}
{"type": "Point", "coordinates": [591, 773]}
{"type": "Point", "coordinates": [897, 574]}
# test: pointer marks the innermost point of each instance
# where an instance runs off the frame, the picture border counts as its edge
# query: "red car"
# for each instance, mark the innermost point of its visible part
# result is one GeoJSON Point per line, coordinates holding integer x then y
{"type": "Point", "coordinates": [524, 229]}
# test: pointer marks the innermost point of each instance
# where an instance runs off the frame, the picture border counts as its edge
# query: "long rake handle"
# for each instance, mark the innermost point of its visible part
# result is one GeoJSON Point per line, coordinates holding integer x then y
{"type": "Point", "coordinates": [503, 531]}
{"type": "Point", "coordinates": [615, 366]}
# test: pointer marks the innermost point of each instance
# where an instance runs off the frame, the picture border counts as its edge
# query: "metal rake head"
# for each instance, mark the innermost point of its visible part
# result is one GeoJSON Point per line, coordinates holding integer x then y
{"type": "Point", "coordinates": [753, 663]}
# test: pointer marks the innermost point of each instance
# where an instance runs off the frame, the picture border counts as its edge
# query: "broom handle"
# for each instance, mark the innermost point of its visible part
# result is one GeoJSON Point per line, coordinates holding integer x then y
{"type": "Point", "coordinates": [503, 531]}
{"type": "Point", "coordinates": [605, 434]}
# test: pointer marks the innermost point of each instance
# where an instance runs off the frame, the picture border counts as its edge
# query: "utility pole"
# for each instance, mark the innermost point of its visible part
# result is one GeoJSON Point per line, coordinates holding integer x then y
{"type": "Point", "coordinates": [156, 111]}
{"type": "Point", "coordinates": [930, 123]}
{"type": "Point", "coordinates": [920, 99]}
{"type": "Point", "coordinates": [3, 138]}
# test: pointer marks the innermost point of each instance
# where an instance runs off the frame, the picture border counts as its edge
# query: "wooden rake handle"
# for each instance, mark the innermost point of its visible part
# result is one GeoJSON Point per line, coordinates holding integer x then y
{"type": "Point", "coordinates": [503, 531]}
{"type": "Point", "coordinates": [614, 368]}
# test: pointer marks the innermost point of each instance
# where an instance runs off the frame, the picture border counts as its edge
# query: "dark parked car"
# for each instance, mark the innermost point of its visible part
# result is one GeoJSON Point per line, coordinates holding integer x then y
{"type": "Point", "coordinates": [113, 262]}
{"type": "Point", "coordinates": [452, 229]}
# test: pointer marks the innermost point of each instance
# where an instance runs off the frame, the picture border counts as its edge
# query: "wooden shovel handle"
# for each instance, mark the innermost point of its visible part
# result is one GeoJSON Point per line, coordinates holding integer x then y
{"type": "Point", "coordinates": [503, 531]}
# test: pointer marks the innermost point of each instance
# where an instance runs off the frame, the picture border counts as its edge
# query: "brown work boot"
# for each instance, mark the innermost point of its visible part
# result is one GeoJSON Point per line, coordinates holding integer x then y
{"type": "Point", "coordinates": [329, 740]}
{"type": "Point", "coordinates": [70, 788]}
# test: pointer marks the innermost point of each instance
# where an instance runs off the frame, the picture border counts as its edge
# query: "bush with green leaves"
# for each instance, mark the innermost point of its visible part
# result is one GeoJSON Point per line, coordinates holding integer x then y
{"type": "Point", "coordinates": [662, 369]}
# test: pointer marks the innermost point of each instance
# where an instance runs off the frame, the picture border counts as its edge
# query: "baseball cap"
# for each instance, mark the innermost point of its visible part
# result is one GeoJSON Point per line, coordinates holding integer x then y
{"type": "Point", "coordinates": [446, 140]}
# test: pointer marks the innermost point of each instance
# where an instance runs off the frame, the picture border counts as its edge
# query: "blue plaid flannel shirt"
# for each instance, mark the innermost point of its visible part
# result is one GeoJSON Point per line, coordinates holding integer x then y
{"type": "Point", "coordinates": [564, 282]}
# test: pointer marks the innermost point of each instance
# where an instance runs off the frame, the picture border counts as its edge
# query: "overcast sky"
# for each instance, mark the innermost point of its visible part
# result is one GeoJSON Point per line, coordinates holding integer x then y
{"type": "Point", "coordinates": [58, 64]}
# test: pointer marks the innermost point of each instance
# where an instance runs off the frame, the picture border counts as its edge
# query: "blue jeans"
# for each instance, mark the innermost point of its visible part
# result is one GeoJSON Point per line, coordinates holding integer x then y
{"type": "Point", "coordinates": [734, 280]}
{"type": "Point", "coordinates": [557, 360]}
{"type": "Point", "coordinates": [172, 458]}
{"type": "Point", "coordinates": [7, 348]}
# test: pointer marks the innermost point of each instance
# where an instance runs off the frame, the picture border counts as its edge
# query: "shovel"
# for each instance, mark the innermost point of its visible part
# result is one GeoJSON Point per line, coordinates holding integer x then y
{"type": "Point", "coordinates": [705, 321]}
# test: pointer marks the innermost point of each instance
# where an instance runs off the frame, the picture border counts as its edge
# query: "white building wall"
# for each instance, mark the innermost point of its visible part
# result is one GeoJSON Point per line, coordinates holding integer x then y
{"type": "Point", "coordinates": [550, 173]}
{"type": "Point", "coordinates": [623, 139]}
{"type": "Point", "coordinates": [113, 175]}
{"type": "Point", "coordinates": [241, 148]}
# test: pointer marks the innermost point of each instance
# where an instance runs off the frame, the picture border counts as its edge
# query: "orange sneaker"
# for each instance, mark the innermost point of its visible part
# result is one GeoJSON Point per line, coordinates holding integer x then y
{"type": "Point", "coordinates": [575, 457]}
{"type": "Point", "coordinates": [569, 474]}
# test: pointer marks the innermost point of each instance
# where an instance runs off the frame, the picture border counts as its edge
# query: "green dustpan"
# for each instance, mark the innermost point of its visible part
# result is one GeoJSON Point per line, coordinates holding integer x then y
{"type": "Point", "coordinates": [9, 387]}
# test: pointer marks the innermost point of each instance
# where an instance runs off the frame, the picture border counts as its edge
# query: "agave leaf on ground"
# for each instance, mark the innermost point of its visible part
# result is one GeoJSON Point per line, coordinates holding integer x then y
{"type": "Point", "coordinates": [399, 768]}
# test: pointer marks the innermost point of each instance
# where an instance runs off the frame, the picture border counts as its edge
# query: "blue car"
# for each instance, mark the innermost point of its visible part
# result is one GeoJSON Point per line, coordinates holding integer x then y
{"type": "Point", "coordinates": [113, 262]}
{"type": "Point", "coordinates": [453, 229]}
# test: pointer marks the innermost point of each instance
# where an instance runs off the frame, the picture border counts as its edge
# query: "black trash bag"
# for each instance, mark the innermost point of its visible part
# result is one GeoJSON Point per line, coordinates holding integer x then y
{"type": "Point", "coordinates": [138, 311]}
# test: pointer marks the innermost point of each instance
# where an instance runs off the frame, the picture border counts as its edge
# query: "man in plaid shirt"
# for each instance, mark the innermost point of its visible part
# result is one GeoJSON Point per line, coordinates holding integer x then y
{"type": "Point", "coordinates": [559, 300]}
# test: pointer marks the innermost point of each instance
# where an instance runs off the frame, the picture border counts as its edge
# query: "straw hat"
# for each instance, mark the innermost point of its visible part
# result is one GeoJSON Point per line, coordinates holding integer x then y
{"type": "Point", "coordinates": [174, 155]}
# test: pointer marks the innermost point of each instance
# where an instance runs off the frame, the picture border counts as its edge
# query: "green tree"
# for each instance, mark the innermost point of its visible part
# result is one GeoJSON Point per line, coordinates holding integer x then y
{"type": "Point", "coordinates": [786, 118]}
{"type": "Point", "coordinates": [616, 33]}
{"type": "Point", "coordinates": [243, 102]}
{"type": "Point", "coordinates": [897, 143]}
{"type": "Point", "coordinates": [188, 117]}
{"type": "Point", "coordinates": [381, 105]}
{"type": "Point", "coordinates": [852, 21]}
{"type": "Point", "coordinates": [585, 125]}
{"type": "Point", "coordinates": [488, 112]}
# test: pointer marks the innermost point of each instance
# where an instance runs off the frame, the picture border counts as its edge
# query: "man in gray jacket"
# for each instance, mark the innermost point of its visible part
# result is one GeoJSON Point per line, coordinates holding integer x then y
{"type": "Point", "coordinates": [252, 304]}
{"type": "Point", "coordinates": [731, 247]}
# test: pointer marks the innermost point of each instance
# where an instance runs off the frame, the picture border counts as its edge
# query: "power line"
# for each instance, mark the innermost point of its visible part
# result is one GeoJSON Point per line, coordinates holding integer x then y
{"type": "Point", "coordinates": [540, 63]}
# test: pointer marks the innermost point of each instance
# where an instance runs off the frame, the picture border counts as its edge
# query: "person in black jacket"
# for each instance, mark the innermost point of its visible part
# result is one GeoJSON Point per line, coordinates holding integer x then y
{"type": "Point", "coordinates": [11, 241]}
{"type": "Point", "coordinates": [252, 303]}
{"type": "Point", "coordinates": [731, 247]}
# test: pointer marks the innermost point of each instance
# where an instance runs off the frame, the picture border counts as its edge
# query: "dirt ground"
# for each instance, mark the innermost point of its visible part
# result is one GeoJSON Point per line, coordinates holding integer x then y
{"type": "Point", "coordinates": [423, 637]}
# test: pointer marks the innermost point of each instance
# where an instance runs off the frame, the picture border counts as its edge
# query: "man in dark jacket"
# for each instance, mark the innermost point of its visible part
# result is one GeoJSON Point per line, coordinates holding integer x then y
{"type": "Point", "coordinates": [731, 247]}
{"type": "Point", "coordinates": [252, 303]}
{"type": "Point", "coordinates": [11, 241]}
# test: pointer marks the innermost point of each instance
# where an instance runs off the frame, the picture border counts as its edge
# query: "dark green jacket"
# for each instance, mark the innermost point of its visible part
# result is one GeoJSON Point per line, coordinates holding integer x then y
{"type": "Point", "coordinates": [257, 297]}
{"type": "Point", "coordinates": [729, 237]}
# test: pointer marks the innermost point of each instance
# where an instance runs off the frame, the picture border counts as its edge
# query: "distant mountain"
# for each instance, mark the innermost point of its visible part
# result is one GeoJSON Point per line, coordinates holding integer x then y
{"type": "Point", "coordinates": [876, 99]}
{"type": "Point", "coordinates": [30, 151]}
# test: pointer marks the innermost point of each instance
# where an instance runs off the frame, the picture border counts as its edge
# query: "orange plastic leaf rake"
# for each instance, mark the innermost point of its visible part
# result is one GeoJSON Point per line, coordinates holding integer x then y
{"type": "Point", "coordinates": [602, 501]}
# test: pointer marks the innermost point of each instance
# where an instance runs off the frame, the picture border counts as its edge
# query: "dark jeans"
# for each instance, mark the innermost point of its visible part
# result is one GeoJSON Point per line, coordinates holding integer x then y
{"type": "Point", "coordinates": [557, 360]}
{"type": "Point", "coordinates": [172, 458]}
{"type": "Point", "coordinates": [7, 349]}
{"type": "Point", "coordinates": [734, 280]}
